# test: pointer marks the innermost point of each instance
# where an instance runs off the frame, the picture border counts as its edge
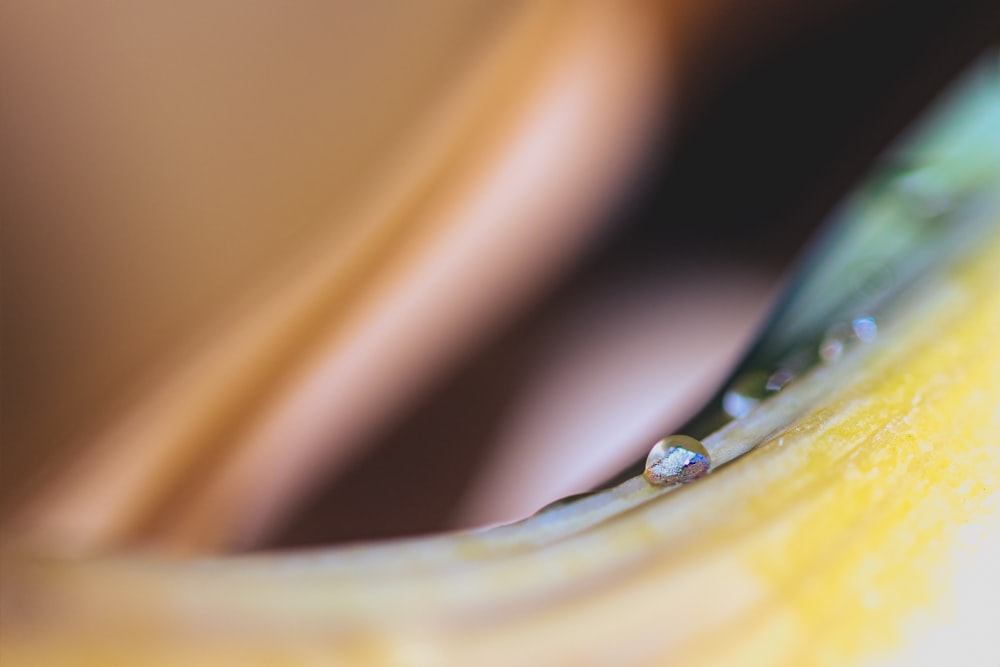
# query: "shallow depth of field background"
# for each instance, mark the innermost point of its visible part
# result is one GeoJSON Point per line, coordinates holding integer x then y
{"type": "Point", "coordinates": [541, 265]}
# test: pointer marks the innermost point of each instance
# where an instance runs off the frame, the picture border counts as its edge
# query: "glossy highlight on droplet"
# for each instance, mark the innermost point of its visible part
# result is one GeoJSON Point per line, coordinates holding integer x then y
{"type": "Point", "coordinates": [677, 459]}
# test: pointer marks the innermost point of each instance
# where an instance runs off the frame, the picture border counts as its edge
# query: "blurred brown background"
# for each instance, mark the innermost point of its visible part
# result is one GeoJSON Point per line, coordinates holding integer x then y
{"type": "Point", "coordinates": [281, 274]}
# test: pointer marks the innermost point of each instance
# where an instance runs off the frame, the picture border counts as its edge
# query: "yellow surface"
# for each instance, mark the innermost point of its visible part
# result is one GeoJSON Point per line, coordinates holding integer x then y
{"type": "Point", "coordinates": [865, 532]}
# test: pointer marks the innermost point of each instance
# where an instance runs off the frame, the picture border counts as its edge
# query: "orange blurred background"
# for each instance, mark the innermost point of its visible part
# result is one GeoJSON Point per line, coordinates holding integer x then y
{"type": "Point", "coordinates": [287, 273]}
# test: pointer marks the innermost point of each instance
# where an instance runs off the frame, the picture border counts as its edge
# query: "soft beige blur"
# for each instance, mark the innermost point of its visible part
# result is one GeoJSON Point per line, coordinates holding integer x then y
{"type": "Point", "coordinates": [205, 195]}
{"type": "Point", "coordinates": [238, 236]}
{"type": "Point", "coordinates": [164, 162]}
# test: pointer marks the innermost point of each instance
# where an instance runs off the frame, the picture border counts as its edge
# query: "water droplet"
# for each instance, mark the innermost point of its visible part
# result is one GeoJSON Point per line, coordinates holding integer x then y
{"type": "Point", "coordinates": [861, 329]}
{"type": "Point", "coordinates": [736, 404]}
{"type": "Point", "coordinates": [778, 379]}
{"type": "Point", "coordinates": [831, 350]}
{"type": "Point", "coordinates": [745, 393]}
{"type": "Point", "coordinates": [834, 343]}
{"type": "Point", "coordinates": [677, 459]}
{"type": "Point", "coordinates": [865, 328]}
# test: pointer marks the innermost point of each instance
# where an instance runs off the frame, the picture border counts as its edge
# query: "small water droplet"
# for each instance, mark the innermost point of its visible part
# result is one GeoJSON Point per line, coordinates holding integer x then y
{"type": "Point", "coordinates": [834, 343]}
{"type": "Point", "coordinates": [744, 393]}
{"type": "Point", "coordinates": [677, 459]}
{"type": "Point", "coordinates": [831, 350]}
{"type": "Point", "coordinates": [779, 378]}
{"type": "Point", "coordinates": [865, 328]}
{"type": "Point", "coordinates": [736, 404]}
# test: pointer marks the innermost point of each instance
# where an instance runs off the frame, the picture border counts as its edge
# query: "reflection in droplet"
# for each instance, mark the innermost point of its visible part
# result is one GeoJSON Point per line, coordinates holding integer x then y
{"type": "Point", "coordinates": [677, 459]}
{"type": "Point", "coordinates": [865, 328]}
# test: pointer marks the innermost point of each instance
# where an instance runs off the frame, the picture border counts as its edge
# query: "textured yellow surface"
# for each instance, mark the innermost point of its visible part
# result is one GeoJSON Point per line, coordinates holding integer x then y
{"type": "Point", "coordinates": [863, 532]}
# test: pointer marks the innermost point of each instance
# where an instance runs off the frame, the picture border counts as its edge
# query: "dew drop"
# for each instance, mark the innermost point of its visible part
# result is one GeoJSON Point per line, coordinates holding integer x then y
{"type": "Point", "coordinates": [736, 404]}
{"type": "Point", "coordinates": [865, 328]}
{"type": "Point", "coordinates": [745, 393]}
{"type": "Point", "coordinates": [677, 459]}
{"type": "Point", "coordinates": [779, 378]}
{"type": "Point", "coordinates": [831, 350]}
{"type": "Point", "coordinates": [834, 343]}
{"type": "Point", "coordinates": [925, 191]}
